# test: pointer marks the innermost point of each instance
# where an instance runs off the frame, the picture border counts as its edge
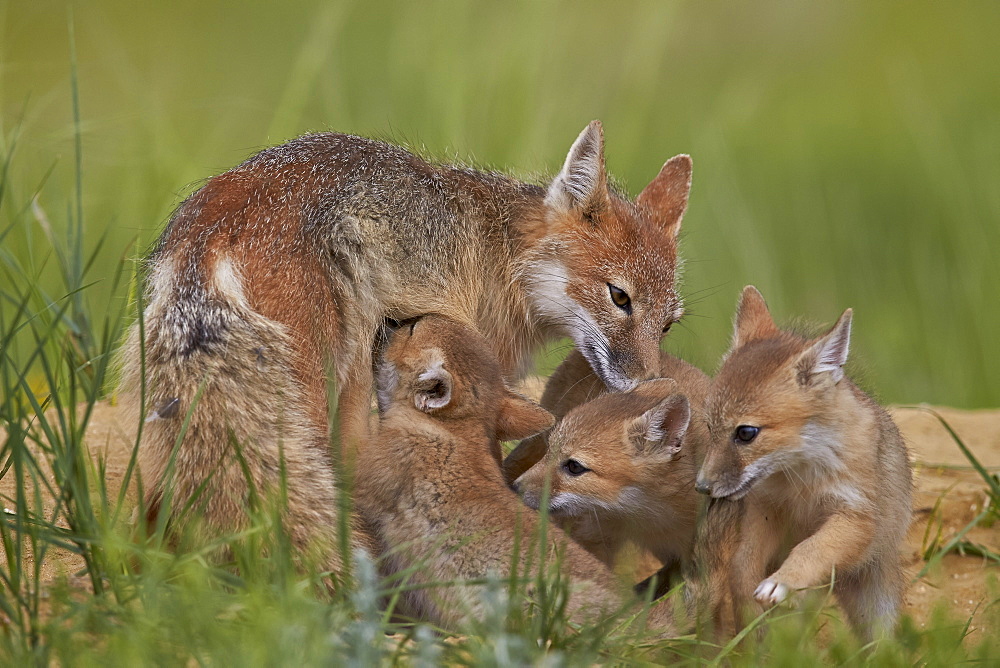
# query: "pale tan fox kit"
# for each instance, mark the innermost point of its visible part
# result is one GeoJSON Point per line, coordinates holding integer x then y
{"type": "Point", "coordinates": [817, 464]}
{"type": "Point", "coordinates": [430, 484]}
{"type": "Point", "coordinates": [574, 383]}
{"type": "Point", "coordinates": [622, 467]}
{"type": "Point", "coordinates": [285, 267]}
{"type": "Point", "coordinates": [668, 481]}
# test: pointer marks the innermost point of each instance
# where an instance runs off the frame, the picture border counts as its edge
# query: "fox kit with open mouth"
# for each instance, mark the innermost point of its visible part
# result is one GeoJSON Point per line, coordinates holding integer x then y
{"type": "Point", "coordinates": [815, 463]}
{"type": "Point", "coordinates": [430, 485]}
{"type": "Point", "coordinates": [279, 273]}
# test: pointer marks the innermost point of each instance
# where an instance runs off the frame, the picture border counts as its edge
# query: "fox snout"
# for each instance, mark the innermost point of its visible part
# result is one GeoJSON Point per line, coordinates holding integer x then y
{"type": "Point", "coordinates": [638, 367]}
{"type": "Point", "coordinates": [732, 484]}
{"type": "Point", "coordinates": [530, 499]}
{"type": "Point", "coordinates": [528, 490]}
{"type": "Point", "coordinates": [623, 370]}
{"type": "Point", "coordinates": [721, 473]}
{"type": "Point", "coordinates": [718, 489]}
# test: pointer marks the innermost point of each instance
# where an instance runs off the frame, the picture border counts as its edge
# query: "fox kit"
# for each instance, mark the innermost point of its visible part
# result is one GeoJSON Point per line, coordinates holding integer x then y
{"type": "Point", "coordinates": [430, 484]}
{"type": "Point", "coordinates": [818, 465]}
{"type": "Point", "coordinates": [574, 383]}
{"type": "Point", "coordinates": [285, 267]}
{"type": "Point", "coordinates": [622, 467]}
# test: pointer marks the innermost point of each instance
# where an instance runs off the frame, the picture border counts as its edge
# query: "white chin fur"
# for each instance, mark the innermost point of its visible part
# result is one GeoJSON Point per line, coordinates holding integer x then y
{"type": "Point", "coordinates": [603, 367]}
{"type": "Point", "coordinates": [751, 475]}
{"type": "Point", "coordinates": [569, 503]}
{"type": "Point", "coordinates": [619, 383]}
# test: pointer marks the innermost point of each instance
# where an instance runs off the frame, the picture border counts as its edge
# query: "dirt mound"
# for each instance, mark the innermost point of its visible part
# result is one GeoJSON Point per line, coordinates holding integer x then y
{"type": "Point", "coordinates": [949, 494]}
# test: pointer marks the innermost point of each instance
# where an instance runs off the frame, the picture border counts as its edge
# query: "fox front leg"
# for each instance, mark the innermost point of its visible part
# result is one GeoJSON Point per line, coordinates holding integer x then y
{"type": "Point", "coordinates": [771, 592]}
{"type": "Point", "coordinates": [840, 543]}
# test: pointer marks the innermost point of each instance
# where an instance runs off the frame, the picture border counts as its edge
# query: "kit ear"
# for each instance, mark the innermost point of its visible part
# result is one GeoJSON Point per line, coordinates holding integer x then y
{"type": "Point", "coordinates": [432, 390]}
{"type": "Point", "coordinates": [667, 195]}
{"type": "Point", "coordinates": [828, 354]}
{"type": "Point", "coordinates": [660, 430]}
{"type": "Point", "coordinates": [582, 186]}
{"type": "Point", "coordinates": [520, 418]}
{"type": "Point", "coordinates": [753, 319]}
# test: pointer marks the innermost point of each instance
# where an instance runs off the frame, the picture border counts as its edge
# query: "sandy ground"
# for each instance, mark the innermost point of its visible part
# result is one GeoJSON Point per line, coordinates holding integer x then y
{"type": "Point", "coordinates": [942, 475]}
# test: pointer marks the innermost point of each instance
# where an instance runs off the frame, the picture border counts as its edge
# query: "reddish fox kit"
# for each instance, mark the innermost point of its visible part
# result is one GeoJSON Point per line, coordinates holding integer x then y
{"type": "Point", "coordinates": [622, 467]}
{"type": "Point", "coordinates": [285, 267]}
{"type": "Point", "coordinates": [430, 484]}
{"type": "Point", "coordinates": [818, 465]}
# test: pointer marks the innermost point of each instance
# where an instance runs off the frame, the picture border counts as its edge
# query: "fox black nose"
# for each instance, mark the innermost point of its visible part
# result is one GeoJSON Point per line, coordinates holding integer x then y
{"type": "Point", "coordinates": [703, 486]}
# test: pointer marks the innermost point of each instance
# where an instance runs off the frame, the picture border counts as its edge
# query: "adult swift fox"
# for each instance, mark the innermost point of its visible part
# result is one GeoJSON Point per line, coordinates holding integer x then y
{"type": "Point", "coordinates": [818, 465]}
{"type": "Point", "coordinates": [430, 484]}
{"type": "Point", "coordinates": [285, 267]}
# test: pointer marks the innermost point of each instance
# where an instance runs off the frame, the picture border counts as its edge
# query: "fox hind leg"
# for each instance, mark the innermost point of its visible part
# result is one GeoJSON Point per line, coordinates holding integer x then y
{"type": "Point", "coordinates": [871, 597]}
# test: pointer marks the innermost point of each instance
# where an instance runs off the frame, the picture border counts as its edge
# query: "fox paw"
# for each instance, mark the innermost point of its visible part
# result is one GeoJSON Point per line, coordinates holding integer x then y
{"type": "Point", "coordinates": [771, 592]}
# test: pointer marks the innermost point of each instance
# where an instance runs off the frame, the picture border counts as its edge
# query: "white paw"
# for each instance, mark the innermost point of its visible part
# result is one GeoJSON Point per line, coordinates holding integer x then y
{"type": "Point", "coordinates": [771, 592]}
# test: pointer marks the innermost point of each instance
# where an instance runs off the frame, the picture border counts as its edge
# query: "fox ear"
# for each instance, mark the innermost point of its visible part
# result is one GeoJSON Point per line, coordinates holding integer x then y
{"type": "Point", "coordinates": [520, 418]}
{"type": "Point", "coordinates": [829, 353]}
{"type": "Point", "coordinates": [661, 429]}
{"type": "Point", "coordinates": [432, 389]}
{"type": "Point", "coordinates": [582, 184]}
{"type": "Point", "coordinates": [667, 194]}
{"type": "Point", "coordinates": [753, 320]}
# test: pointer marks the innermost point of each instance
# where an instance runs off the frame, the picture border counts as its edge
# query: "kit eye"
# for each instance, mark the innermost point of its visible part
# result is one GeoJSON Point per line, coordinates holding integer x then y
{"type": "Point", "coordinates": [745, 433]}
{"type": "Point", "coordinates": [574, 468]}
{"type": "Point", "coordinates": [620, 298]}
{"type": "Point", "coordinates": [666, 328]}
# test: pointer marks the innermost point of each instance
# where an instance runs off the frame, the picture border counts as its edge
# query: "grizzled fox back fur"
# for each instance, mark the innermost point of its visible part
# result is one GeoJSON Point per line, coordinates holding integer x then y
{"type": "Point", "coordinates": [280, 272]}
{"type": "Point", "coordinates": [248, 365]}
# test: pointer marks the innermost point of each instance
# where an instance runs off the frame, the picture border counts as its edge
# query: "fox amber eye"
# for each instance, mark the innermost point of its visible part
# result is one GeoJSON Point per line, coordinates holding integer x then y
{"type": "Point", "coordinates": [745, 433]}
{"type": "Point", "coordinates": [574, 467]}
{"type": "Point", "coordinates": [620, 298]}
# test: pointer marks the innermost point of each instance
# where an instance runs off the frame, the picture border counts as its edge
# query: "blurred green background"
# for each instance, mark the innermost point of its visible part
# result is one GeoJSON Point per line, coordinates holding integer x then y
{"type": "Point", "coordinates": [846, 154]}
